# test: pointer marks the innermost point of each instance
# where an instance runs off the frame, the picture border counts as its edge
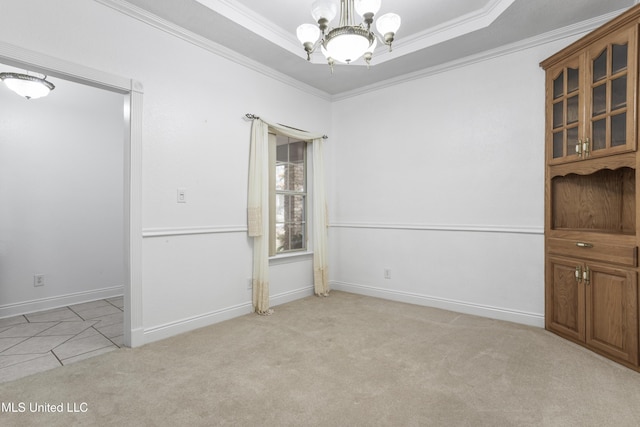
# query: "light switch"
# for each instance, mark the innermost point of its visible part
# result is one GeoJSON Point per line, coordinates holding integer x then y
{"type": "Point", "coordinates": [182, 195]}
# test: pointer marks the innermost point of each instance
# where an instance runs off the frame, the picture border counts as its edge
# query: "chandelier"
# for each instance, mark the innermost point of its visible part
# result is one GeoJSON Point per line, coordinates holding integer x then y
{"type": "Point", "coordinates": [30, 87]}
{"type": "Point", "coordinates": [347, 42]}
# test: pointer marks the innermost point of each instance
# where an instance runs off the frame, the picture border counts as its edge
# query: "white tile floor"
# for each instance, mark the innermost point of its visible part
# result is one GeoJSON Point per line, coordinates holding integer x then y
{"type": "Point", "coordinates": [40, 341]}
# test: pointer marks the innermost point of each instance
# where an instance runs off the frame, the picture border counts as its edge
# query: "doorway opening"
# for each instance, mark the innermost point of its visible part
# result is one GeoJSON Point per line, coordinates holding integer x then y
{"type": "Point", "coordinates": [130, 93]}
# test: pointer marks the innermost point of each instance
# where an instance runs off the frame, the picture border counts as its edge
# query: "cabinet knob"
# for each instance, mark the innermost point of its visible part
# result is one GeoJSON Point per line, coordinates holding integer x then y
{"type": "Point", "coordinates": [584, 245]}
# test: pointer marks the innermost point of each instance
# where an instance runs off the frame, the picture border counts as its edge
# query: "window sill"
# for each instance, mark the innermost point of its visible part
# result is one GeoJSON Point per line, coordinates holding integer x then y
{"type": "Point", "coordinates": [290, 257]}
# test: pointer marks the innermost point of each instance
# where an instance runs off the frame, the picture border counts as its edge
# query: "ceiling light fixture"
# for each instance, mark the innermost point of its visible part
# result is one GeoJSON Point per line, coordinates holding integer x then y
{"type": "Point", "coordinates": [347, 42]}
{"type": "Point", "coordinates": [30, 87]}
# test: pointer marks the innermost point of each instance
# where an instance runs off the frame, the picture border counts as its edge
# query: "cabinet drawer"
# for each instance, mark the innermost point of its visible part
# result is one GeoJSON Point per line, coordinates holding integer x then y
{"type": "Point", "coordinates": [615, 254]}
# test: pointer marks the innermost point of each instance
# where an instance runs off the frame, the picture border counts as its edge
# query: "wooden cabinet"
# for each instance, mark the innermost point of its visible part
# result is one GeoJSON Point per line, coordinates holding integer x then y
{"type": "Point", "coordinates": [591, 212]}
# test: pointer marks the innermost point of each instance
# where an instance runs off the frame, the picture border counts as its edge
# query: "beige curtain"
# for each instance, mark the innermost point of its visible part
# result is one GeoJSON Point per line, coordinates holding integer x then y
{"type": "Point", "coordinates": [258, 210]}
{"type": "Point", "coordinates": [320, 222]}
{"type": "Point", "coordinates": [258, 214]}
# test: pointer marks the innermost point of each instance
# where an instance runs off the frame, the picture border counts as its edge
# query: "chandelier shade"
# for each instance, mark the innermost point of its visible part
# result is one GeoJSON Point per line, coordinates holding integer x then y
{"type": "Point", "coordinates": [322, 9]}
{"type": "Point", "coordinates": [30, 87]}
{"type": "Point", "coordinates": [367, 6]}
{"type": "Point", "coordinates": [347, 42]}
{"type": "Point", "coordinates": [388, 23]}
{"type": "Point", "coordinates": [308, 33]}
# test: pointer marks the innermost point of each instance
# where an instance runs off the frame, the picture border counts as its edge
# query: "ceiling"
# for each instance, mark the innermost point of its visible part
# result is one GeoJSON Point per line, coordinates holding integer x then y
{"type": "Point", "coordinates": [433, 32]}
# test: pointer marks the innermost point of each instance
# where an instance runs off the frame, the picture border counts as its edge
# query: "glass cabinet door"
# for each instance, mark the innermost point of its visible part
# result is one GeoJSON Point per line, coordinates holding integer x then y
{"type": "Point", "coordinates": [566, 110]}
{"type": "Point", "coordinates": [610, 96]}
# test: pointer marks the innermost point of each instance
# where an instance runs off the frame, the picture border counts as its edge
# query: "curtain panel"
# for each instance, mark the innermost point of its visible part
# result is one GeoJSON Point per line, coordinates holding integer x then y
{"type": "Point", "coordinates": [258, 210]}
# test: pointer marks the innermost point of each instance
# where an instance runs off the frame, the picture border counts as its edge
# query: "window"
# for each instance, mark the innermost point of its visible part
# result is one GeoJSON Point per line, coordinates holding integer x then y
{"type": "Point", "coordinates": [288, 194]}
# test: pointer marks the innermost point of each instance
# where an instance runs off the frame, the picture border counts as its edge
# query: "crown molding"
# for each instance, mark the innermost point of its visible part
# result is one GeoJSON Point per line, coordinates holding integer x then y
{"type": "Point", "coordinates": [258, 24]}
{"type": "Point", "coordinates": [149, 18]}
{"type": "Point", "coordinates": [578, 29]}
{"type": "Point", "coordinates": [465, 24]}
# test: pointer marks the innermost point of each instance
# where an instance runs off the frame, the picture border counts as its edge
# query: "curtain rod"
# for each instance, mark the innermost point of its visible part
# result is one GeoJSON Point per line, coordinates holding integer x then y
{"type": "Point", "coordinates": [251, 116]}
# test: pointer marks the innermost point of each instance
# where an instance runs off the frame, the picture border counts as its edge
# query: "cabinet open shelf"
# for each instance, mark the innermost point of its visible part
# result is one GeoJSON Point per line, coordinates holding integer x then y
{"type": "Point", "coordinates": [603, 201]}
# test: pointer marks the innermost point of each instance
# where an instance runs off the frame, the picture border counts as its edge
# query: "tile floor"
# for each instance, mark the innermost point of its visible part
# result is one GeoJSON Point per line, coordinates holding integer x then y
{"type": "Point", "coordinates": [44, 340]}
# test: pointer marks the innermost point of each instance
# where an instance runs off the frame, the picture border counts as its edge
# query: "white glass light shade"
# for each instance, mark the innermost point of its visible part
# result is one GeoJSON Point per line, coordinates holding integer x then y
{"type": "Point", "coordinates": [324, 9]}
{"type": "Point", "coordinates": [388, 23]}
{"type": "Point", "coordinates": [308, 33]}
{"type": "Point", "coordinates": [28, 86]}
{"type": "Point", "coordinates": [347, 47]}
{"type": "Point", "coordinates": [367, 6]}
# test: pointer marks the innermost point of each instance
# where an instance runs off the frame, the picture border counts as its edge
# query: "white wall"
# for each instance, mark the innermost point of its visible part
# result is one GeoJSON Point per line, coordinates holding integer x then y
{"type": "Point", "coordinates": [61, 186]}
{"type": "Point", "coordinates": [440, 181]}
{"type": "Point", "coordinates": [196, 256]}
{"type": "Point", "coordinates": [453, 201]}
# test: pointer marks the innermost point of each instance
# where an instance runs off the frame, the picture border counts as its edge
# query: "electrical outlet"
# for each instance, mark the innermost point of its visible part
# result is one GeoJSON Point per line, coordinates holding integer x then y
{"type": "Point", "coordinates": [387, 273]}
{"type": "Point", "coordinates": [249, 284]}
{"type": "Point", "coordinates": [38, 280]}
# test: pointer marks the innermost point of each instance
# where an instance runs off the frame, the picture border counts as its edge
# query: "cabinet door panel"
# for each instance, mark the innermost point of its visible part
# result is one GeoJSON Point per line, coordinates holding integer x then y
{"type": "Point", "coordinates": [565, 109]}
{"type": "Point", "coordinates": [610, 94]}
{"type": "Point", "coordinates": [612, 307]}
{"type": "Point", "coordinates": [564, 298]}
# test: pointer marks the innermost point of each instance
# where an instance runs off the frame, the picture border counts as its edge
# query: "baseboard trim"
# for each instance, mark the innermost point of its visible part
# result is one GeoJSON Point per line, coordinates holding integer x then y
{"type": "Point", "coordinates": [289, 296]}
{"type": "Point", "coordinates": [51, 303]}
{"type": "Point", "coordinates": [515, 316]}
{"type": "Point", "coordinates": [137, 337]}
{"type": "Point", "coordinates": [168, 330]}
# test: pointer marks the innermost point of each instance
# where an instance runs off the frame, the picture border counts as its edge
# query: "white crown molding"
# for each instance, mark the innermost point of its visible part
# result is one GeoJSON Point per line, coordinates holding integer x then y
{"type": "Point", "coordinates": [451, 29]}
{"type": "Point", "coordinates": [148, 18]}
{"type": "Point", "coordinates": [256, 23]}
{"type": "Point", "coordinates": [474, 228]}
{"type": "Point", "coordinates": [549, 37]}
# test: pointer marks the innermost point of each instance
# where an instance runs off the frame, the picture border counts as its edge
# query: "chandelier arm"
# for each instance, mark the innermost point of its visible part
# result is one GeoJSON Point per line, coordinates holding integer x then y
{"type": "Point", "coordinates": [314, 47]}
{"type": "Point", "coordinates": [383, 40]}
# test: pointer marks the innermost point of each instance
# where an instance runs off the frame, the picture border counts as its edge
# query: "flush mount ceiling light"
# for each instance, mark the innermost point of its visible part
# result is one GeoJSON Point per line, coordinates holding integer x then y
{"type": "Point", "coordinates": [347, 42]}
{"type": "Point", "coordinates": [30, 87]}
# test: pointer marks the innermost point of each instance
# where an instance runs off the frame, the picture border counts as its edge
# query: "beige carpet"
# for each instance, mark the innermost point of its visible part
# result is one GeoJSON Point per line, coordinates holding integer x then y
{"type": "Point", "coordinates": [345, 360]}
